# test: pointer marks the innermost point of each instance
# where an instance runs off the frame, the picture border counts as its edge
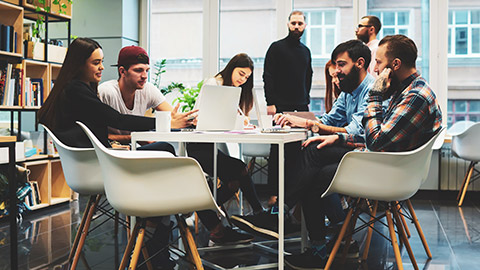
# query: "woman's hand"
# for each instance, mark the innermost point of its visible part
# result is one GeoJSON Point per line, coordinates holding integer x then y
{"type": "Point", "coordinates": [289, 120]}
{"type": "Point", "coordinates": [182, 120]}
{"type": "Point", "coordinates": [324, 140]}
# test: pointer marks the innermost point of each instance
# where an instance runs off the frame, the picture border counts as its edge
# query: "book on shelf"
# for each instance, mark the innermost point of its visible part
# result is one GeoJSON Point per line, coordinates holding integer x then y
{"type": "Point", "coordinates": [37, 91]}
{"type": "Point", "coordinates": [36, 190]}
{"type": "Point", "coordinates": [3, 77]}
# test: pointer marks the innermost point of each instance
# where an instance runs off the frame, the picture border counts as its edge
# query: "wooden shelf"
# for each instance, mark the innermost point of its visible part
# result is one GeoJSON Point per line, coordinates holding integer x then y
{"type": "Point", "coordinates": [13, 15]}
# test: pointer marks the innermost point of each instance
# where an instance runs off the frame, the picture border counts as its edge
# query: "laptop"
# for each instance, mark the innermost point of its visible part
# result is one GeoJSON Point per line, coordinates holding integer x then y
{"type": "Point", "coordinates": [217, 108]}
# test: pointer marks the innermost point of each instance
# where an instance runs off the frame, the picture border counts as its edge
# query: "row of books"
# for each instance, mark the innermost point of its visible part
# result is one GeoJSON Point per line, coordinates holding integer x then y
{"type": "Point", "coordinates": [8, 38]}
{"type": "Point", "coordinates": [33, 198]}
{"type": "Point", "coordinates": [12, 90]}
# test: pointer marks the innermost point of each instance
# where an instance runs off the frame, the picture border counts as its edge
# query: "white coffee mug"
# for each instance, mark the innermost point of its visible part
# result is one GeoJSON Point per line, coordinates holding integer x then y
{"type": "Point", "coordinates": [162, 121]}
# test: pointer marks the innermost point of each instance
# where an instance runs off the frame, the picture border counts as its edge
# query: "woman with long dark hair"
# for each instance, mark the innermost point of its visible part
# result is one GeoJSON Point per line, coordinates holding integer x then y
{"type": "Point", "coordinates": [74, 97]}
{"type": "Point", "coordinates": [231, 171]}
{"type": "Point", "coordinates": [331, 88]}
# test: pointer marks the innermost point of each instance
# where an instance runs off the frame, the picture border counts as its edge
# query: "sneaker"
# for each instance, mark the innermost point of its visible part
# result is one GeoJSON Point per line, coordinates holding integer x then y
{"type": "Point", "coordinates": [229, 236]}
{"type": "Point", "coordinates": [306, 261]}
{"type": "Point", "coordinates": [353, 249]}
{"type": "Point", "coordinates": [264, 224]}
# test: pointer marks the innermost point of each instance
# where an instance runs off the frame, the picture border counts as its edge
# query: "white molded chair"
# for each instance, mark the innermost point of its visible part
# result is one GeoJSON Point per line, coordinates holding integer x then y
{"type": "Point", "coordinates": [466, 145]}
{"type": "Point", "coordinates": [82, 174]}
{"type": "Point", "coordinates": [153, 183]}
{"type": "Point", "coordinates": [382, 176]}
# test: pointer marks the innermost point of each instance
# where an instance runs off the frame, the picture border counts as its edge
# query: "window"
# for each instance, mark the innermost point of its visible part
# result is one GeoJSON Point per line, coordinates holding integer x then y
{"type": "Point", "coordinates": [464, 33]}
{"type": "Point", "coordinates": [317, 106]}
{"type": "Point", "coordinates": [460, 110]}
{"type": "Point", "coordinates": [176, 35]}
{"type": "Point", "coordinates": [320, 34]}
{"type": "Point", "coordinates": [393, 22]}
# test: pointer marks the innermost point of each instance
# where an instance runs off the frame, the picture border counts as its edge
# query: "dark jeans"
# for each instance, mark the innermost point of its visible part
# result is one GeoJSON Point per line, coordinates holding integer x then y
{"type": "Point", "coordinates": [317, 171]}
{"type": "Point", "coordinates": [233, 174]}
{"type": "Point", "coordinates": [158, 146]}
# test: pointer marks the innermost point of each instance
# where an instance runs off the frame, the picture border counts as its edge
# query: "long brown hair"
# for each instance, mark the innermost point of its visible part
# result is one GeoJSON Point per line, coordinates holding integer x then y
{"type": "Point", "coordinates": [241, 60]}
{"type": "Point", "coordinates": [73, 65]}
{"type": "Point", "coordinates": [331, 92]}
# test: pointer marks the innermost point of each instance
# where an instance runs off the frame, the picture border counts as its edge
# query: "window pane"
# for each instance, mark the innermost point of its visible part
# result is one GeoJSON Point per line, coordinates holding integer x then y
{"type": "Point", "coordinates": [388, 31]}
{"type": "Point", "coordinates": [460, 106]}
{"type": "Point", "coordinates": [330, 17]}
{"type": "Point", "coordinates": [461, 16]}
{"type": "Point", "coordinates": [449, 41]}
{"type": "Point", "coordinates": [473, 118]}
{"type": "Point", "coordinates": [316, 41]}
{"type": "Point", "coordinates": [461, 40]}
{"type": "Point", "coordinates": [450, 17]}
{"type": "Point", "coordinates": [403, 32]}
{"type": "Point", "coordinates": [329, 40]}
{"type": "Point", "coordinates": [402, 18]}
{"type": "Point", "coordinates": [475, 16]}
{"type": "Point", "coordinates": [474, 106]}
{"type": "Point", "coordinates": [460, 118]}
{"type": "Point", "coordinates": [475, 40]}
{"type": "Point", "coordinates": [316, 18]}
{"type": "Point", "coordinates": [450, 106]}
{"type": "Point", "coordinates": [180, 45]}
{"type": "Point", "coordinates": [388, 18]}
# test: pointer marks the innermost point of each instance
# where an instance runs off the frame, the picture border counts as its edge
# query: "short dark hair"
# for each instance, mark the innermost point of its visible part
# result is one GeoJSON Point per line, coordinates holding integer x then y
{"type": "Point", "coordinates": [401, 47]}
{"type": "Point", "coordinates": [375, 22]}
{"type": "Point", "coordinates": [297, 12]}
{"type": "Point", "coordinates": [355, 49]}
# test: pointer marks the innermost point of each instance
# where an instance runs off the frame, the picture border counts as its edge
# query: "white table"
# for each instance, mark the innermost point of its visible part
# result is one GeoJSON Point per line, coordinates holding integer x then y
{"type": "Point", "coordinates": [236, 137]}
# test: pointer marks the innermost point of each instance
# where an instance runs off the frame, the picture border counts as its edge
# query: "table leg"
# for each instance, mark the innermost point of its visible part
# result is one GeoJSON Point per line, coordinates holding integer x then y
{"type": "Point", "coordinates": [281, 203]}
{"type": "Point", "coordinates": [215, 177]}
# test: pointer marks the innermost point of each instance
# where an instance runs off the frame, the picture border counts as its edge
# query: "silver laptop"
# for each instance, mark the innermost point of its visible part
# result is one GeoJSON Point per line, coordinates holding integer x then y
{"type": "Point", "coordinates": [217, 110]}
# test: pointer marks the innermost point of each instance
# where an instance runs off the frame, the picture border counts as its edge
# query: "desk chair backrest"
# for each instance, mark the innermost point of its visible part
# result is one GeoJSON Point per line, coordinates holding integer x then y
{"type": "Point", "coordinates": [80, 167]}
{"type": "Point", "coordinates": [384, 176]}
{"type": "Point", "coordinates": [459, 127]}
{"type": "Point", "coordinates": [151, 183]}
{"type": "Point", "coordinates": [466, 145]}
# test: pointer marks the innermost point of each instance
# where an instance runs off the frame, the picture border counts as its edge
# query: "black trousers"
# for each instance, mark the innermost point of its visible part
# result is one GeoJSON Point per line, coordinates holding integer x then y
{"type": "Point", "coordinates": [292, 154]}
{"type": "Point", "coordinates": [233, 174]}
{"type": "Point", "coordinates": [317, 171]}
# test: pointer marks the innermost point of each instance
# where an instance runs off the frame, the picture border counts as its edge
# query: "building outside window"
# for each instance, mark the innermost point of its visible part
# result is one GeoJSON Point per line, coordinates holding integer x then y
{"type": "Point", "coordinates": [393, 22]}
{"type": "Point", "coordinates": [463, 110]}
{"type": "Point", "coordinates": [320, 34]}
{"type": "Point", "coordinates": [464, 33]}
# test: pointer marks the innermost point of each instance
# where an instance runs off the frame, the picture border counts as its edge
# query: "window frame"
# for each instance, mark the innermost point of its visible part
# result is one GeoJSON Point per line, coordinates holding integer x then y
{"type": "Point", "coordinates": [308, 40]}
{"type": "Point", "coordinates": [451, 30]}
{"type": "Point", "coordinates": [409, 27]}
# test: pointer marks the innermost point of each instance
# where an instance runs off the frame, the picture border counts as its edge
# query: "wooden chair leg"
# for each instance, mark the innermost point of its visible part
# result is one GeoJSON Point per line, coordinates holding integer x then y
{"type": "Point", "coordinates": [189, 243]}
{"type": "Point", "coordinates": [146, 256]}
{"type": "Point", "coordinates": [196, 223]}
{"type": "Point", "coordinates": [138, 247]}
{"type": "Point", "coordinates": [129, 247]}
{"type": "Point", "coordinates": [339, 239]}
{"type": "Point", "coordinates": [81, 241]}
{"type": "Point", "coordinates": [464, 180]}
{"type": "Point", "coordinates": [80, 228]}
{"type": "Point", "coordinates": [404, 222]}
{"type": "Point", "coordinates": [419, 229]}
{"type": "Point", "coordinates": [465, 186]}
{"type": "Point", "coordinates": [127, 220]}
{"type": "Point", "coordinates": [393, 238]}
{"type": "Point", "coordinates": [370, 232]}
{"type": "Point", "coordinates": [351, 228]}
{"type": "Point", "coordinates": [403, 235]}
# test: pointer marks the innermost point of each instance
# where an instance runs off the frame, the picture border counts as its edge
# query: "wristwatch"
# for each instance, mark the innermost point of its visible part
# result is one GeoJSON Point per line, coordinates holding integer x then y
{"type": "Point", "coordinates": [315, 128]}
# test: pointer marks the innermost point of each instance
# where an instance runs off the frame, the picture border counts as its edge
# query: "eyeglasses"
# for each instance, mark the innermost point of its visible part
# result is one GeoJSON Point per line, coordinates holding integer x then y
{"type": "Point", "coordinates": [363, 25]}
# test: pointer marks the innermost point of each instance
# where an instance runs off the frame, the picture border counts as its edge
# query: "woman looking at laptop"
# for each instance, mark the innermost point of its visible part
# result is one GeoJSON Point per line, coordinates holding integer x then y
{"type": "Point", "coordinates": [231, 171]}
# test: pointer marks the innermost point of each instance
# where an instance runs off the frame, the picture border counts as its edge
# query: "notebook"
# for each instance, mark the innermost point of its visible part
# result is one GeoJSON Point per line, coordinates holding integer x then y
{"type": "Point", "coordinates": [217, 109]}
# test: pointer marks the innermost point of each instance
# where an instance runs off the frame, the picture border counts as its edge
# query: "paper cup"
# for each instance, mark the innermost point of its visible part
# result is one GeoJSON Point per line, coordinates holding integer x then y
{"type": "Point", "coordinates": [162, 121]}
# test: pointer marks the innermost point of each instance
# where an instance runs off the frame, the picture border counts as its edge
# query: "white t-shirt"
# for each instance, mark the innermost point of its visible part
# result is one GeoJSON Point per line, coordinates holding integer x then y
{"type": "Point", "coordinates": [146, 98]}
{"type": "Point", "coordinates": [373, 46]}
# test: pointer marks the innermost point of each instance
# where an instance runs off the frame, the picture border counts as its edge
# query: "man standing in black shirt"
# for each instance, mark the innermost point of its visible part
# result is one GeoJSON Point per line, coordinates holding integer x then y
{"type": "Point", "coordinates": [287, 78]}
{"type": "Point", "coordinates": [287, 74]}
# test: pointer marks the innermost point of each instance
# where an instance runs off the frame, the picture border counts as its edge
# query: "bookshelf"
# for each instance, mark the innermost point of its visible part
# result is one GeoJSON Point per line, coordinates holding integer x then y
{"type": "Point", "coordinates": [45, 170]}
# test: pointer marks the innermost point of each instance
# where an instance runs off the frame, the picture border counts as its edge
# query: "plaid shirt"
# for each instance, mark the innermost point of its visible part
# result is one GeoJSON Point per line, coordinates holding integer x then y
{"type": "Point", "coordinates": [412, 118]}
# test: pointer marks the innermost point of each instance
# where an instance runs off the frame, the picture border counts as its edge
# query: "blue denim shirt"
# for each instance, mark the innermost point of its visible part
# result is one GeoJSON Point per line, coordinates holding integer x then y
{"type": "Point", "coordinates": [348, 109]}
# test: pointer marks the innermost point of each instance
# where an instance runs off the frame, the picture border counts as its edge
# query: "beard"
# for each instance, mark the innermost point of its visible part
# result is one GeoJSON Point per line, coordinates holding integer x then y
{"type": "Point", "coordinates": [350, 81]}
{"type": "Point", "coordinates": [363, 37]}
{"type": "Point", "coordinates": [297, 34]}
